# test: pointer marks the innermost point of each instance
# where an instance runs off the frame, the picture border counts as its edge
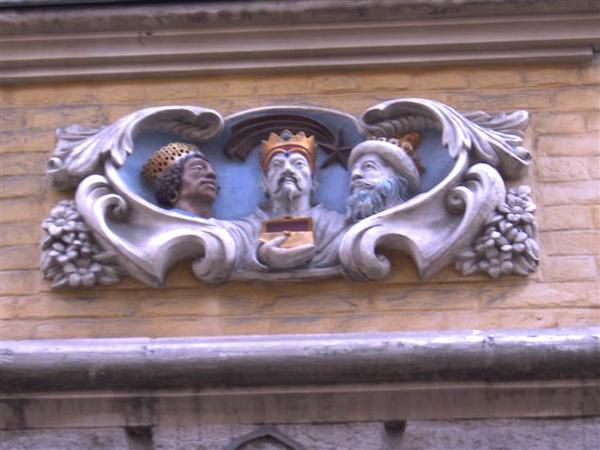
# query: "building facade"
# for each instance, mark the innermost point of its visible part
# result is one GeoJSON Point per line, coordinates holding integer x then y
{"type": "Point", "coordinates": [451, 362]}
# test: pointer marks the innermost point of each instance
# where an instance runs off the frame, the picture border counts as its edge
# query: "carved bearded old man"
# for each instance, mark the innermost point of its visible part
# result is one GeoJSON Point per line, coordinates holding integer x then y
{"type": "Point", "coordinates": [183, 178]}
{"type": "Point", "coordinates": [288, 164]}
{"type": "Point", "coordinates": [382, 175]}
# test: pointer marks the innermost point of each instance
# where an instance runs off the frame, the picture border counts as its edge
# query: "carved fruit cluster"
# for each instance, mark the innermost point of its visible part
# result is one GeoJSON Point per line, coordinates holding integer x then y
{"type": "Point", "coordinates": [70, 254]}
{"type": "Point", "coordinates": [507, 245]}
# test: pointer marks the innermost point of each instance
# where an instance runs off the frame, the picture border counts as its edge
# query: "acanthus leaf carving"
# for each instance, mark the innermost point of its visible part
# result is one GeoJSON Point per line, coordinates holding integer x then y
{"type": "Point", "coordinates": [495, 139]}
{"type": "Point", "coordinates": [432, 229]}
{"type": "Point", "coordinates": [159, 241]}
{"type": "Point", "coordinates": [82, 150]}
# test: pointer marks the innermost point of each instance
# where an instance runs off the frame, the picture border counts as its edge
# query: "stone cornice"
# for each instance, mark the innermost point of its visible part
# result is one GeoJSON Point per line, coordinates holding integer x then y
{"type": "Point", "coordinates": [108, 42]}
{"type": "Point", "coordinates": [154, 16]}
{"type": "Point", "coordinates": [300, 361]}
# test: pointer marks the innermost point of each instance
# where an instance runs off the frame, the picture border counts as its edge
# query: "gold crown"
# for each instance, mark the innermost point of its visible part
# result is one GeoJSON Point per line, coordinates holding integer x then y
{"type": "Point", "coordinates": [409, 141]}
{"type": "Point", "coordinates": [166, 157]}
{"type": "Point", "coordinates": [288, 142]}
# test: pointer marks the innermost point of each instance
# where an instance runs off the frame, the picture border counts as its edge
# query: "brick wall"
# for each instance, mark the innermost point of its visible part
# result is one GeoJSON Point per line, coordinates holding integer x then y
{"type": "Point", "coordinates": [564, 137]}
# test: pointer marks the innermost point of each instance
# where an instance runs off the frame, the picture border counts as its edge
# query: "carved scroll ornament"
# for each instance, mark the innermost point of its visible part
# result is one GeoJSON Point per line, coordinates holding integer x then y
{"type": "Point", "coordinates": [283, 193]}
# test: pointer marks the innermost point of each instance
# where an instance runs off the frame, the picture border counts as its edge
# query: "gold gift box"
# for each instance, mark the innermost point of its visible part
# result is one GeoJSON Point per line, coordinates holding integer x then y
{"type": "Point", "coordinates": [299, 230]}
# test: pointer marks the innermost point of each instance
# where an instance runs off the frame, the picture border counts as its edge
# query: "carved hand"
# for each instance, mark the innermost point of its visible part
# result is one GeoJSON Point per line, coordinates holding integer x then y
{"type": "Point", "coordinates": [275, 257]}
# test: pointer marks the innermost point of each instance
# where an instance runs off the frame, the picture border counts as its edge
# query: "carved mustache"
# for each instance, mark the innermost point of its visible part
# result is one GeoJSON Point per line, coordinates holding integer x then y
{"type": "Point", "coordinates": [361, 183]}
{"type": "Point", "coordinates": [287, 176]}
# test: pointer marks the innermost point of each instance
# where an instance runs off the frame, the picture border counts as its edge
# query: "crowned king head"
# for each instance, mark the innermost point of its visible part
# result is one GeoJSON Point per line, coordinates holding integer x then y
{"type": "Point", "coordinates": [287, 142]}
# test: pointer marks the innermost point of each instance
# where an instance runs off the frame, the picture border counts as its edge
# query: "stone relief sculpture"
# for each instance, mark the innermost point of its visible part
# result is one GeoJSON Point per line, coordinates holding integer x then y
{"type": "Point", "coordinates": [182, 178]}
{"type": "Point", "coordinates": [70, 254]}
{"type": "Point", "coordinates": [288, 163]}
{"type": "Point", "coordinates": [290, 192]}
{"type": "Point", "coordinates": [508, 243]}
{"type": "Point", "coordinates": [265, 437]}
{"type": "Point", "coordinates": [382, 175]}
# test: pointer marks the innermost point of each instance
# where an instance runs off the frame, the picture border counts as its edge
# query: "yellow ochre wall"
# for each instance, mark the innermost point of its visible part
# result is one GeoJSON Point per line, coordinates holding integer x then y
{"type": "Point", "coordinates": [564, 102]}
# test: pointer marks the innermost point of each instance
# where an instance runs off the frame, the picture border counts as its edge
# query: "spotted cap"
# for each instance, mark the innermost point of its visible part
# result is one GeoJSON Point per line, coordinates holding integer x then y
{"type": "Point", "coordinates": [166, 157]}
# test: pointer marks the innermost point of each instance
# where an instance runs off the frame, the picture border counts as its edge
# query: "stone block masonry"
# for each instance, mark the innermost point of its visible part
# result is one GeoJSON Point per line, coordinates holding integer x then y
{"type": "Point", "coordinates": [533, 434]}
{"type": "Point", "coordinates": [564, 104]}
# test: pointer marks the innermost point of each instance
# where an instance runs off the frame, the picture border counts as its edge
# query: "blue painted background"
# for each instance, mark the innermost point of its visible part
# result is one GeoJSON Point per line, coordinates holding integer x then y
{"type": "Point", "coordinates": [240, 181]}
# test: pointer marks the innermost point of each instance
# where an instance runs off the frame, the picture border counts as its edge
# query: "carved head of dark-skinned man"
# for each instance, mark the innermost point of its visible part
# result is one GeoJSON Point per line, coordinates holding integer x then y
{"type": "Point", "coordinates": [382, 175]}
{"type": "Point", "coordinates": [183, 178]}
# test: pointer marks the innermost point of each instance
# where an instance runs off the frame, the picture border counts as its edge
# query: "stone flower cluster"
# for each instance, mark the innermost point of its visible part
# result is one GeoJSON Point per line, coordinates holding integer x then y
{"type": "Point", "coordinates": [70, 255]}
{"type": "Point", "coordinates": [507, 244]}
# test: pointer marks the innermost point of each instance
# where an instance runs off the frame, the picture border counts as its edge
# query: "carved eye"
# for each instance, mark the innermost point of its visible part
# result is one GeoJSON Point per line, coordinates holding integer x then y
{"type": "Point", "coordinates": [369, 166]}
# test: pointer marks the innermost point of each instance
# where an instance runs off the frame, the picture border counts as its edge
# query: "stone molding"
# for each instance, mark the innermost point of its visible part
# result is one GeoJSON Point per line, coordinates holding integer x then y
{"type": "Point", "coordinates": [21, 16]}
{"type": "Point", "coordinates": [313, 362]}
{"type": "Point", "coordinates": [155, 40]}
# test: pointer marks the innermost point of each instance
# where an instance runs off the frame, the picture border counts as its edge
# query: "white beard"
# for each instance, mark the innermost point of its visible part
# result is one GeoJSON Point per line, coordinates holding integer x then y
{"type": "Point", "coordinates": [386, 193]}
{"type": "Point", "coordinates": [284, 199]}
{"type": "Point", "coordinates": [363, 203]}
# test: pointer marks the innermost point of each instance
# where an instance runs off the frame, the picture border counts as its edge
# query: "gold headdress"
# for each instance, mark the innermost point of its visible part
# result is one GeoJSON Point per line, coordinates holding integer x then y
{"type": "Point", "coordinates": [409, 141]}
{"type": "Point", "coordinates": [288, 142]}
{"type": "Point", "coordinates": [166, 157]}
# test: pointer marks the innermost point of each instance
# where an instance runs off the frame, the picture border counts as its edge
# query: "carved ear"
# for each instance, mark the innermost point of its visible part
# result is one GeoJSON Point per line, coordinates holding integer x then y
{"type": "Point", "coordinates": [314, 185]}
{"type": "Point", "coordinates": [174, 197]}
{"type": "Point", "coordinates": [263, 184]}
